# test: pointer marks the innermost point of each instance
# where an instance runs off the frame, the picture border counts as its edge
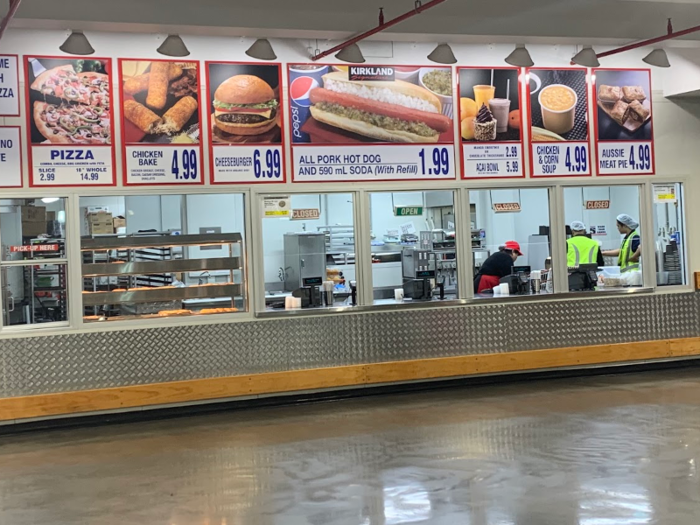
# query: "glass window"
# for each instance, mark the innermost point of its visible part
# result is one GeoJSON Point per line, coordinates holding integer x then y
{"type": "Point", "coordinates": [156, 256]}
{"type": "Point", "coordinates": [670, 229]}
{"type": "Point", "coordinates": [414, 255]}
{"type": "Point", "coordinates": [33, 264]}
{"type": "Point", "coordinates": [603, 237]}
{"type": "Point", "coordinates": [309, 251]}
{"type": "Point", "coordinates": [511, 242]}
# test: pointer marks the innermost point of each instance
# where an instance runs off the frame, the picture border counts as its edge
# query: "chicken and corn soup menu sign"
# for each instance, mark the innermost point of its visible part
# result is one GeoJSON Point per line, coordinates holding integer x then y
{"type": "Point", "coordinates": [70, 128]}
{"type": "Point", "coordinates": [624, 134]}
{"type": "Point", "coordinates": [490, 122]}
{"type": "Point", "coordinates": [245, 122]}
{"type": "Point", "coordinates": [559, 136]}
{"type": "Point", "coordinates": [160, 122]}
{"type": "Point", "coordinates": [371, 122]}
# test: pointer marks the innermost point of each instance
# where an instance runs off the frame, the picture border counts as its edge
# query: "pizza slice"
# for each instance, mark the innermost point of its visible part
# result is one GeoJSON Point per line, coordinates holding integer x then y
{"type": "Point", "coordinates": [63, 82]}
{"type": "Point", "coordinates": [73, 123]}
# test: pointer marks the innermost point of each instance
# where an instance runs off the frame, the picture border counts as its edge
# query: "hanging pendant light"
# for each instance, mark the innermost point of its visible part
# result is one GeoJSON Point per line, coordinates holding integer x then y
{"type": "Point", "coordinates": [443, 54]}
{"type": "Point", "coordinates": [77, 44]}
{"type": "Point", "coordinates": [586, 57]}
{"type": "Point", "coordinates": [657, 58]}
{"type": "Point", "coordinates": [173, 46]}
{"type": "Point", "coordinates": [352, 54]}
{"type": "Point", "coordinates": [262, 50]}
{"type": "Point", "coordinates": [520, 57]}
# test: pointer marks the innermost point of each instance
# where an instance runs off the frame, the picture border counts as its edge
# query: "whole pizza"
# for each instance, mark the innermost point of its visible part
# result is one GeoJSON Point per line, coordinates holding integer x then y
{"type": "Point", "coordinates": [83, 116]}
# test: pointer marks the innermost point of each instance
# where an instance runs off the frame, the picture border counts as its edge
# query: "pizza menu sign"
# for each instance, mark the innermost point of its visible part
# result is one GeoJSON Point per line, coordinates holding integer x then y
{"type": "Point", "coordinates": [70, 128]}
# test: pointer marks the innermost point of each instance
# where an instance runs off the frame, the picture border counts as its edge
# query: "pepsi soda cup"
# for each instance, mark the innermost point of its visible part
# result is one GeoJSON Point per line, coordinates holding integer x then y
{"type": "Point", "coordinates": [302, 79]}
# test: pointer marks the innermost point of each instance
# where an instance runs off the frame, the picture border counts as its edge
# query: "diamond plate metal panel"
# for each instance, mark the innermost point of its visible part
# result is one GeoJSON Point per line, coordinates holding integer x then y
{"type": "Point", "coordinates": [90, 360]}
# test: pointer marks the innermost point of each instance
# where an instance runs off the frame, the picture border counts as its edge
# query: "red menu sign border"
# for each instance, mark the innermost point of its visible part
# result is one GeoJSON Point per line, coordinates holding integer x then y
{"type": "Point", "coordinates": [594, 95]}
{"type": "Point", "coordinates": [520, 110]}
{"type": "Point", "coordinates": [30, 113]}
{"type": "Point", "coordinates": [125, 177]}
{"type": "Point", "coordinates": [282, 115]}
{"type": "Point", "coordinates": [529, 125]}
{"type": "Point", "coordinates": [391, 144]}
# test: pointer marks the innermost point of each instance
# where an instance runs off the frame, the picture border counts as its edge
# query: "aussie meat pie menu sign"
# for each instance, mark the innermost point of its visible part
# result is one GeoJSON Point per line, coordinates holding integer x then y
{"type": "Point", "coordinates": [245, 122]}
{"type": "Point", "coordinates": [371, 122]}
{"type": "Point", "coordinates": [70, 127]}
{"type": "Point", "coordinates": [160, 122]}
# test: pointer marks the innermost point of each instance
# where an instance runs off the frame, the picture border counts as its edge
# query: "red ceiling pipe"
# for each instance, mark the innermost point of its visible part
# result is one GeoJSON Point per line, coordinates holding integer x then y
{"type": "Point", "coordinates": [417, 10]}
{"type": "Point", "coordinates": [670, 35]}
{"type": "Point", "coordinates": [14, 5]}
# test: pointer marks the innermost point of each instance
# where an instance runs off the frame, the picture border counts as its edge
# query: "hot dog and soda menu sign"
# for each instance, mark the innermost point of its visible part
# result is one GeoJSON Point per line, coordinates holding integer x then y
{"type": "Point", "coordinates": [70, 128]}
{"type": "Point", "coordinates": [371, 122]}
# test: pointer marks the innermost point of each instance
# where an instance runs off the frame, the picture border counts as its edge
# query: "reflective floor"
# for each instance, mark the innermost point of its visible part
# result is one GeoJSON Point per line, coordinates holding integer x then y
{"type": "Point", "coordinates": [612, 450]}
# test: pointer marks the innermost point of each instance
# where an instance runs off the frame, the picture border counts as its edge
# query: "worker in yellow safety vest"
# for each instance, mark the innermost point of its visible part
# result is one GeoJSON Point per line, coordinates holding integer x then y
{"type": "Point", "coordinates": [581, 249]}
{"type": "Point", "coordinates": [630, 251]}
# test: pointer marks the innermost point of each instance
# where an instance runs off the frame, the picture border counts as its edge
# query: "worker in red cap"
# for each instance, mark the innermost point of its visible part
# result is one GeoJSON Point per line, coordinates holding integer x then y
{"type": "Point", "coordinates": [497, 266]}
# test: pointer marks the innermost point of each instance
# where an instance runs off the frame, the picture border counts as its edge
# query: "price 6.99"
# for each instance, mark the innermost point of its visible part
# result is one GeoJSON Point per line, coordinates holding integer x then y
{"type": "Point", "coordinates": [184, 164]}
{"type": "Point", "coordinates": [269, 167]}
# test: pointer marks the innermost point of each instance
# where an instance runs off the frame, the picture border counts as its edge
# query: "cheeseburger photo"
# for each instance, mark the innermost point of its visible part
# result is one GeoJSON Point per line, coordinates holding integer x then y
{"type": "Point", "coordinates": [388, 111]}
{"type": "Point", "coordinates": [245, 105]}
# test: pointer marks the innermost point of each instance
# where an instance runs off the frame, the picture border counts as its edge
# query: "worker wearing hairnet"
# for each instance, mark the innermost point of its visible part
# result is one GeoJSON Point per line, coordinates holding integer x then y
{"type": "Point", "coordinates": [580, 249]}
{"type": "Point", "coordinates": [630, 251]}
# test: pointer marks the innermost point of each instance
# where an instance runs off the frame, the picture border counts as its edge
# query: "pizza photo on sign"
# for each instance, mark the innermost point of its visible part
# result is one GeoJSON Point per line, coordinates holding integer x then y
{"type": "Point", "coordinates": [69, 101]}
{"type": "Point", "coordinates": [160, 101]}
{"type": "Point", "coordinates": [370, 104]}
{"type": "Point", "coordinates": [244, 103]}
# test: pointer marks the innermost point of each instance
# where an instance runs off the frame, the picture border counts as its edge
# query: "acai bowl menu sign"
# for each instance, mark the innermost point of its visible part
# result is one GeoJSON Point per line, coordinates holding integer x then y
{"type": "Point", "coordinates": [371, 122]}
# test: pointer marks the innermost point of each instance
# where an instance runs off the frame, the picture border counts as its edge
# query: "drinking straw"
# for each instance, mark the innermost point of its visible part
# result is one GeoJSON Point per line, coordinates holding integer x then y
{"type": "Point", "coordinates": [492, 77]}
{"type": "Point", "coordinates": [508, 89]}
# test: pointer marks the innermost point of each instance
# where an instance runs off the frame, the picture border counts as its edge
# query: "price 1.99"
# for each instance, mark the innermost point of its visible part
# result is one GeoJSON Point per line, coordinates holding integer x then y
{"type": "Point", "coordinates": [440, 162]}
{"type": "Point", "coordinates": [642, 161]}
{"type": "Point", "coordinates": [270, 167]}
{"type": "Point", "coordinates": [579, 163]}
{"type": "Point", "coordinates": [187, 166]}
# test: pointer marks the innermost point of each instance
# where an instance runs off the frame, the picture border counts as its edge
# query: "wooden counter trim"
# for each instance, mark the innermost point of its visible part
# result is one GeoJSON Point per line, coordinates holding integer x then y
{"type": "Point", "coordinates": [17, 408]}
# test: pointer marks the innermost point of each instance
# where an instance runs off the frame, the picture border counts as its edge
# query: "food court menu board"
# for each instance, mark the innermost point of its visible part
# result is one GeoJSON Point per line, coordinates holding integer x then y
{"type": "Point", "coordinates": [490, 115]}
{"type": "Point", "coordinates": [371, 122]}
{"type": "Point", "coordinates": [245, 122]}
{"type": "Point", "coordinates": [160, 122]}
{"type": "Point", "coordinates": [558, 106]}
{"type": "Point", "coordinates": [623, 121]}
{"type": "Point", "coordinates": [70, 128]}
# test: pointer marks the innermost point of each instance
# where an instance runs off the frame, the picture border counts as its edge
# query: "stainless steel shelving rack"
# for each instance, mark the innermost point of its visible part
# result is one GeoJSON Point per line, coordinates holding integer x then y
{"type": "Point", "coordinates": [131, 265]}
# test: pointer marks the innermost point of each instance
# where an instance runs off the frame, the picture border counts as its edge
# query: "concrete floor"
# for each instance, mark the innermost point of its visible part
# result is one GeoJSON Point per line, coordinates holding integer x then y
{"type": "Point", "coordinates": [614, 450]}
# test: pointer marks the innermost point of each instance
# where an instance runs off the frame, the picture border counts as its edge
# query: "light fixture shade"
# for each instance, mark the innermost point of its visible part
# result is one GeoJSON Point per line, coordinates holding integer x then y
{"type": "Point", "coordinates": [657, 58]}
{"type": "Point", "coordinates": [520, 57]}
{"type": "Point", "coordinates": [586, 57]}
{"type": "Point", "coordinates": [77, 44]}
{"type": "Point", "coordinates": [352, 54]}
{"type": "Point", "coordinates": [262, 50]}
{"type": "Point", "coordinates": [173, 46]}
{"type": "Point", "coordinates": [443, 54]}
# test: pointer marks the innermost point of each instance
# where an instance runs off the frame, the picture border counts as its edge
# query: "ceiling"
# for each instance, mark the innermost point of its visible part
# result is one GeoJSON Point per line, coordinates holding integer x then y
{"type": "Point", "coordinates": [586, 21]}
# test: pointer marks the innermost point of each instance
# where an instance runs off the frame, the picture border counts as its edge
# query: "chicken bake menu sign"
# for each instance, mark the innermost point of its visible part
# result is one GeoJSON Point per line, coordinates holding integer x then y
{"type": "Point", "coordinates": [160, 122]}
{"type": "Point", "coordinates": [245, 122]}
{"type": "Point", "coordinates": [371, 122]}
{"type": "Point", "coordinates": [70, 128]}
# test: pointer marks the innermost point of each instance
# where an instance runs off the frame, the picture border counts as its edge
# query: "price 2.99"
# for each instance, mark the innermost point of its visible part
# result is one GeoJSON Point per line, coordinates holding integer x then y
{"type": "Point", "coordinates": [440, 164]}
{"type": "Point", "coordinates": [187, 167]}
{"type": "Point", "coordinates": [270, 167]}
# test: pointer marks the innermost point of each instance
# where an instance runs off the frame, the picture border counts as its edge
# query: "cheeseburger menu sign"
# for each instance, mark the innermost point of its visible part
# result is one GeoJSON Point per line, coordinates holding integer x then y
{"type": "Point", "coordinates": [371, 122]}
{"type": "Point", "coordinates": [245, 122]}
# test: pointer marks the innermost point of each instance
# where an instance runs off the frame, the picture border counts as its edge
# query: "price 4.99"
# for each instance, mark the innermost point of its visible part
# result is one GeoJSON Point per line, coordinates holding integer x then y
{"type": "Point", "coordinates": [580, 160]}
{"type": "Point", "coordinates": [185, 164]}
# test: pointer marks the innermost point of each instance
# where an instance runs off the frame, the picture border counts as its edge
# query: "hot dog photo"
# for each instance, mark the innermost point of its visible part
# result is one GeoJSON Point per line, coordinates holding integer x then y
{"type": "Point", "coordinates": [369, 103]}
{"type": "Point", "coordinates": [160, 101]}
{"type": "Point", "coordinates": [244, 103]}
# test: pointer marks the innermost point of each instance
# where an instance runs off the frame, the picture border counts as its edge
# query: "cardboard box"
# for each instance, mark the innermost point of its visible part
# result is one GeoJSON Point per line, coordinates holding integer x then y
{"type": "Point", "coordinates": [99, 223]}
{"type": "Point", "coordinates": [33, 228]}
{"type": "Point", "coordinates": [119, 222]}
{"type": "Point", "coordinates": [33, 213]}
